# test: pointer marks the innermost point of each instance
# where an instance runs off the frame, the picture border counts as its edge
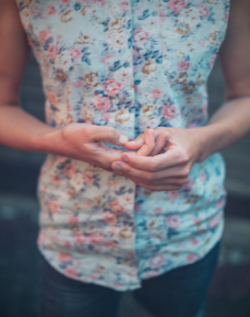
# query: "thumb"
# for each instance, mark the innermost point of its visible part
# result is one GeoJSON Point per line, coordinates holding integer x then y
{"type": "Point", "coordinates": [107, 134]}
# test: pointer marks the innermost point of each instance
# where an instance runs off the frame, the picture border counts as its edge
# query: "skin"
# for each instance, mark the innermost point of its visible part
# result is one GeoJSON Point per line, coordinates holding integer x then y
{"type": "Point", "coordinates": [164, 156]}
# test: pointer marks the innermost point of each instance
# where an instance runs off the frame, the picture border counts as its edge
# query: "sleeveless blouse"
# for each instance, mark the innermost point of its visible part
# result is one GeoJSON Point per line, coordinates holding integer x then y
{"type": "Point", "coordinates": [132, 65]}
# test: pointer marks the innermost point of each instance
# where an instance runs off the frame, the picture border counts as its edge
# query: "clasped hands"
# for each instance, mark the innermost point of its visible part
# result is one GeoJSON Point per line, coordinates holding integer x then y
{"type": "Point", "coordinates": [159, 159]}
{"type": "Point", "coordinates": [162, 158]}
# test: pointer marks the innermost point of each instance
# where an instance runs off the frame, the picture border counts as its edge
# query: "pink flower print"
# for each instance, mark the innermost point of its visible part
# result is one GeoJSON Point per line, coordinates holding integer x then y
{"type": "Point", "coordinates": [214, 221]}
{"type": "Point", "coordinates": [194, 241]}
{"type": "Point", "coordinates": [156, 93]}
{"type": "Point", "coordinates": [87, 203]}
{"type": "Point", "coordinates": [173, 221]}
{"type": "Point", "coordinates": [52, 97]}
{"type": "Point", "coordinates": [140, 37]}
{"type": "Point", "coordinates": [77, 84]}
{"type": "Point", "coordinates": [172, 194]}
{"type": "Point", "coordinates": [75, 52]}
{"type": "Point", "coordinates": [113, 183]}
{"type": "Point", "coordinates": [197, 221]}
{"type": "Point", "coordinates": [191, 257]}
{"type": "Point", "coordinates": [41, 237]}
{"type": "Point", "coordinates": [204, 10]}
{"type": "Point", "coordinates": [158, 210]}
{"type": "Point", "coordinates": [221, 203]}
{"type": "Point", "coordinates": [96, 239]}
{"type": "Point", "coordinates": [80, 238]}
{"type": "Point", "coordinates": [105, 58]}
{"type": "Point", "coordinates": [53, 51]}
{"type": "Point", "coordinates": [106, 116]}
{"type": "Point", "coordinates": [53, 206]}
{"type": "Point", "coordinates": [137, 207]}
{"type": "Point", "coordinates": [111, 86]}
{"type": "Point", "coordinates": [156, 261]}
{"type": "Point", "coordinates": [203, 176]}
{"type": "Point", "coordinates": [100, 3]}
{"type": "Point", "coordinates": [177, 5]}
{"type": "Point", "coordinates": [169, 112]}
{"type": "Point", "coordinates": [124, 5]}
{"type": "Point", "coordinates": [162, 15]}
{"type": "Point", "coordinates": [101, 102]}
{"type": "Point", "coordinates": [73, 220]}
{"type": "Point", "coordinates": [87, 177]}
{"type": "Point", "coordinates": [64, 257]}
{"type": "Point", "coordinates": [150, 274]}
{"type": "Point", "coordinates": [69, 170]}
{"type": "Point", "coordinates": [109, 217]}
{"type": "Point", "coordinates": [55, 179]}
{"type": "Point", "coordinates": [202, 42]}
{"type": "Point", "coordinates": [212, 60]}
{"type": "Point", "coordinates": [64, 2]}
{"type": "Point", "coordinates": [110, 244]}
{"type": "Point", "coordinates": [70, 271]}
{"type": "Point", "coordinates": [50, 10]}
{"type": "Point", "coordinates": [189, 184]}
{"type": "Point", "coordinates": [67, 244]}
{"type": "Point", "coordinates": [35, 10]}
{"type": "Point", "coordinates": [116, 207]}
{"type": "Point", "coordinates": [44, 35]}
{"type": "Point", "coordinates": [135, 53]}
{"type": "Point", "coordinates": [183, 65]}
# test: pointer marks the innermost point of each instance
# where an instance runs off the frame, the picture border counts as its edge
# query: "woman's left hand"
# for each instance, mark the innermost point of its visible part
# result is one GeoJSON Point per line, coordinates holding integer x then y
{"type": "Point", "coordinates": [165, 171]}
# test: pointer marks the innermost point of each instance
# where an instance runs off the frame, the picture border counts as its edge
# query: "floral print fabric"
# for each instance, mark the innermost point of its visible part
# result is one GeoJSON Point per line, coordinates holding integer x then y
{"type": "Point", "coordinates": [131, 65]}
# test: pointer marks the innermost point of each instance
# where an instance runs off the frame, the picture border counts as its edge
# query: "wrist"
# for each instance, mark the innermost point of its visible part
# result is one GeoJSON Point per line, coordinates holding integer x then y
{"type": "Point", "coordinates": [205, 138]}
{"type": "Point", "coordinates": [43, 142]}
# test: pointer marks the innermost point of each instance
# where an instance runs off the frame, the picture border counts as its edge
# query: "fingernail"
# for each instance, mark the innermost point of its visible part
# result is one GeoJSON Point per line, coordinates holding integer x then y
{"type": "Point", "coordinates": [124, 158]}
{"type": "Point", "coordinates": [123, 139]}
{"type": "Point", "coordinates": [117, 167]}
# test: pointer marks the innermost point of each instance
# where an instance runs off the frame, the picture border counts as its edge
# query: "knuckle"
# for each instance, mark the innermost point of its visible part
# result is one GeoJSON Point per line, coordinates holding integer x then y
{"type": "Point", "coordinates": [183, 157]}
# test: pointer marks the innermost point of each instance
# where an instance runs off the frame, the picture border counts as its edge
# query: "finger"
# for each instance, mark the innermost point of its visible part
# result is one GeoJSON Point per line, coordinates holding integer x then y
{"type": "Point", "coordinates": [129, 171]}
{"type": "Point", "coordinates": [149, 143]}
{"type": "Point", "coordinates": [158, 188]}
{"type": "Point", "coordinates": [161, 140]}
{"type": "Point", "coordinates": [106, 134]}
{"type": "Point", "coordinates": [175, 181]}
{"type": "Point", "coordinates": [171, 158]}
{"type": "Point", "coordinates": [136, 143]}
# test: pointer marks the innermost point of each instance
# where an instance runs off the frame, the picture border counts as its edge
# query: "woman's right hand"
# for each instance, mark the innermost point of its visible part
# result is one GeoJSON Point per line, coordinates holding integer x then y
{"type": "Point", "coordinates": [84, 142]}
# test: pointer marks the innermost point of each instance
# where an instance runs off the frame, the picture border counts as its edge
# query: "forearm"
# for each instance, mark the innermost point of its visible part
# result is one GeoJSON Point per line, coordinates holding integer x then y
{"type": "Point", "coordinates": [228, 125]}
{"type": "Point", "coordinates": [19, 130]}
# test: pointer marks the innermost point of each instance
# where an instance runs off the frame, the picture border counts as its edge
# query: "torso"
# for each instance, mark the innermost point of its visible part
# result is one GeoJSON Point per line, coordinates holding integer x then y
{"type": "Point", "coordinates": [131, 65]}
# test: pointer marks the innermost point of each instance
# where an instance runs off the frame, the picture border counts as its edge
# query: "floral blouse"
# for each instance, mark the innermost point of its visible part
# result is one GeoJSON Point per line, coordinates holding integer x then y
{"type": "Point", "coordinates": [132, 65]}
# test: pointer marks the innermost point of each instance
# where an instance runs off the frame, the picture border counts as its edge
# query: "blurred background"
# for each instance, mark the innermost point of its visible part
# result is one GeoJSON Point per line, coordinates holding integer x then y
{"type": "Point", "coordinates": [229, 294]}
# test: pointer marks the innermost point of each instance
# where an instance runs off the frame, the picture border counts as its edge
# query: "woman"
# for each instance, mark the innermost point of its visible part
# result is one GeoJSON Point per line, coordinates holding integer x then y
{"type": "Point", "coordinates": [143, 212]}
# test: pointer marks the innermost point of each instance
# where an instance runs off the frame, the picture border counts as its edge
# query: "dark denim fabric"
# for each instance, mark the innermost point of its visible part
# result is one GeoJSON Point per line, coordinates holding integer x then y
{"type": "Point", "coordinates": [178, 293]}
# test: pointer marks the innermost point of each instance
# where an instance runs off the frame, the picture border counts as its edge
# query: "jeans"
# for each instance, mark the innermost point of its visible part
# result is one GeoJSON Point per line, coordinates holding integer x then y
{"type": "Point", "coordinates": [180, 292]}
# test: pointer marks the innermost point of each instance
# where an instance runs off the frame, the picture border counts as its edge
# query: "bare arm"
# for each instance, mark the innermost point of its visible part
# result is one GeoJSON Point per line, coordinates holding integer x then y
{"type": "Point", "coordinates": [232, 121]}
{"type": "Point", "coordinates": [22, 131]}
{"type": "Point", "coordinates": [17, 128]}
